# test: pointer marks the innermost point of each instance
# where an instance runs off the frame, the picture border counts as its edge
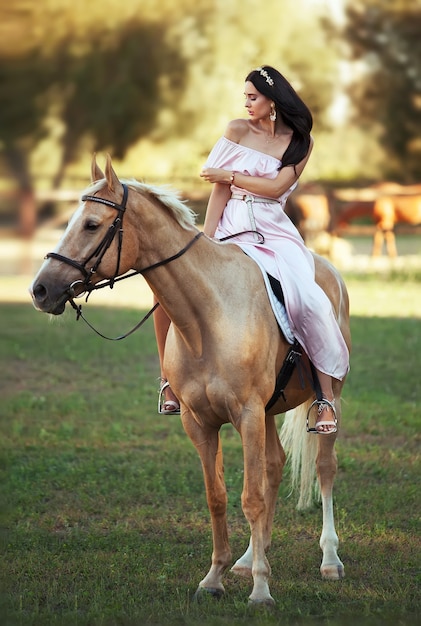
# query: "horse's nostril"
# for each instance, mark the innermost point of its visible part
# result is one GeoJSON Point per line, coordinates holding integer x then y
{"type": "Point", "coordinates": [39, 292]}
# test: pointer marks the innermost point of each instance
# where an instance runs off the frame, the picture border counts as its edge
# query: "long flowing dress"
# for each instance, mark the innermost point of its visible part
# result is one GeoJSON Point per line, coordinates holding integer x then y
{"type": "Point", "coordinates": [283, 255]}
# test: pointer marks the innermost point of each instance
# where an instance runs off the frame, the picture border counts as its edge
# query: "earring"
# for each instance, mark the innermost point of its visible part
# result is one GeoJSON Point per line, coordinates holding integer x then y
{"type": "Point", "coordinates": [272, 115]}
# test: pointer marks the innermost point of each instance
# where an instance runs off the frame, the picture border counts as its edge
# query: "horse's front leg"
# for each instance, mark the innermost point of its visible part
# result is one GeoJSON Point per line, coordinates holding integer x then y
{"type": "Point", "coordinates": [378, 240]}
{"type": "Point", "coordinates": [256, 505]}
{"type": "Point", "coordinates": [208, 444]}
{"type": "Point", "coordinates": [275, 461]}
{"type": "Point", "coordinates": [326, 463]}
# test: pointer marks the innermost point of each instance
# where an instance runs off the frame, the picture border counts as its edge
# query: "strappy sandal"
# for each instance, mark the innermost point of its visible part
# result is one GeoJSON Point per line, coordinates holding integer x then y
{"type": "Point", "coordinates": [322, 405]}
{"type": "Point", "coordinates": [172, 406]}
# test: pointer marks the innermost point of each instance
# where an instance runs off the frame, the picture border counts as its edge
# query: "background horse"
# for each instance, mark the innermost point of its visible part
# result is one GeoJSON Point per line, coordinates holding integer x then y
{"type": "Point", "coordinates": [309, 210]}
{"type": "Point", "coordinates": [224, 351]}
{"type": "Point", "coordinates": [394, 204]}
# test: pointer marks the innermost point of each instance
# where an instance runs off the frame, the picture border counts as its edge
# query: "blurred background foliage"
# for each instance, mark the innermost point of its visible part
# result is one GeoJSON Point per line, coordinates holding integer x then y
{"type": "Point", "coordinates": [154, 83]}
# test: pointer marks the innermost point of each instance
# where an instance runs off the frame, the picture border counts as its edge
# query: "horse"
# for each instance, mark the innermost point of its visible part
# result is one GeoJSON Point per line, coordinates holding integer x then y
{"type": "Point", "coordinates": [223, 353]}
{"type": "Point", "coordinates": [391, 206]}
{"type": "Point", "coordinates": [309, 210]}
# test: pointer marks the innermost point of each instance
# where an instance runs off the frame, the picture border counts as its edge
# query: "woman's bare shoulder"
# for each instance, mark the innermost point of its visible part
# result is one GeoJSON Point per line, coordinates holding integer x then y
{"type": "Point", "coordinates": [236, 130]}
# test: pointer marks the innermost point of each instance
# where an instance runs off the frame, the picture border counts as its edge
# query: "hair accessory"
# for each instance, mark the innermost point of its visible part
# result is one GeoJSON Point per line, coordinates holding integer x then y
{"type": "Point", "coordinates": [265, 75]}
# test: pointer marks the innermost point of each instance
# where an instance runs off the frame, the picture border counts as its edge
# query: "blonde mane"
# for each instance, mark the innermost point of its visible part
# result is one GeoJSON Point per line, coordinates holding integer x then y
{"type": "Point", "coordinates": [165, 194]}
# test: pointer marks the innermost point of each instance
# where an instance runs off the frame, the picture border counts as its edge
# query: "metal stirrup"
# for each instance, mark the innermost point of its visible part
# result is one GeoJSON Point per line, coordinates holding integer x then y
{"type": "Point", "coordinates": [322, 403]}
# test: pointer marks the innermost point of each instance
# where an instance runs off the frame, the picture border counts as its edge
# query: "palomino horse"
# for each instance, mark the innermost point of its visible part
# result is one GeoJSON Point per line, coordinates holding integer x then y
{"type": "Point", "coordinates": [223, 353]}
{"type": "Point", "coordinates": [391, 206]}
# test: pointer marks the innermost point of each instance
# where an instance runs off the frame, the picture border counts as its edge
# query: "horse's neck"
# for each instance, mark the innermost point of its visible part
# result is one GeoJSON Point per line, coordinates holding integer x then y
{"type": "Point", "coordinates": [183, 286]}
{"type": "Point", "coordinates": [199, 289]}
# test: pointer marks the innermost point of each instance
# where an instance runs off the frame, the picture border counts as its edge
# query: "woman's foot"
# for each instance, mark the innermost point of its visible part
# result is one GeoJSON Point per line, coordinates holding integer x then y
{"type": "Point", "coordinates": [326, 421]}
{"type": "Point", "coordinates": [168, 404]}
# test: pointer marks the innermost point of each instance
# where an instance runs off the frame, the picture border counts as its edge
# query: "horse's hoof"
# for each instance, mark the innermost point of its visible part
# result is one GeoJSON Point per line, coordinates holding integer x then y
{"type": "Point", "coordinates": [208, 592]}
{"type": "Point", "coordinates": [332, 572]}
{"type": "Point", "coordinates": [267, 604]}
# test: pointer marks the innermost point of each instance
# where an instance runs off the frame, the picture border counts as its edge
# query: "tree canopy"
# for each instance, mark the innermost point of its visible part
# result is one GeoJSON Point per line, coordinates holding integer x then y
{"type": "Point", "coordinates": [385, 35]}
{"type": "Point", "coordinates": [80, 77]}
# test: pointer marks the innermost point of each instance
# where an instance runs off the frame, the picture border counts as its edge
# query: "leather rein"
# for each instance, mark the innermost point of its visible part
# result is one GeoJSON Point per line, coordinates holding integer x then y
{"type": "Point", "coordinates": [87, 285]}
{"type": "Point", "coordinates": [98, 254]}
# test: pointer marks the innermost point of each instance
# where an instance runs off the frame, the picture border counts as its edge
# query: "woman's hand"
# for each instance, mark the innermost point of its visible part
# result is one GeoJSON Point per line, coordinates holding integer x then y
{"type": "Point", "coordinates": [216, 175]}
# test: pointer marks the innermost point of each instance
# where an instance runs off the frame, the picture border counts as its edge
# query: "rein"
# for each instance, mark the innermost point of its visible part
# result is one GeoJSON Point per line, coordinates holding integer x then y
{"type": "Point", "coordinates": [78, 307]}
{"type": "Point", "coordinates": [79, 314]}
{"type": "Point", "coordinates": [99, 252]}
{"type": "Point", "coordinates": [116, 227]}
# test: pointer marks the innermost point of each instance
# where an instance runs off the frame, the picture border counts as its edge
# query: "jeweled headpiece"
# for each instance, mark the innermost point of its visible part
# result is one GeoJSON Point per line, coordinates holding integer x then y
{"type": "Point", "coordinates": [265, 75]}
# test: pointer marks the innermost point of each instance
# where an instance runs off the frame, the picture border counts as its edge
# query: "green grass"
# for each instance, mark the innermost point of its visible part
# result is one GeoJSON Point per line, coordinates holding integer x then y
{"type": "Point", "coordinates": [104, 519]}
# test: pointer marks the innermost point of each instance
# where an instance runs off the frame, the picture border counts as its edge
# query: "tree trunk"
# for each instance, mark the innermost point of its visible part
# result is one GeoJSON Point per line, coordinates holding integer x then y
{"type": "Point", "coordinates": [27, 214]}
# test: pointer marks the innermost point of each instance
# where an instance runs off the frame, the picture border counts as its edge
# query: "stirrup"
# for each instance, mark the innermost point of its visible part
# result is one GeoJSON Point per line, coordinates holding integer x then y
{"type": "Point", "coordinates": [321, 405]}
{"type": "Point", "coordinates": [175, 406]}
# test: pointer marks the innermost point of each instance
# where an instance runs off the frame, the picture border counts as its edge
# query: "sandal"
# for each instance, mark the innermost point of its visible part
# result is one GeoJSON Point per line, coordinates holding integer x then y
{"type": "Point", "coordinates": [323, 405]}
{"type": "Point", "coordinates": [167, 407]}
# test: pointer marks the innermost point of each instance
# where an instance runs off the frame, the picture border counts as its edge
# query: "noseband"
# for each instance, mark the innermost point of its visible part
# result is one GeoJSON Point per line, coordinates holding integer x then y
{"type": "Point", "coordinates": [99, 252]}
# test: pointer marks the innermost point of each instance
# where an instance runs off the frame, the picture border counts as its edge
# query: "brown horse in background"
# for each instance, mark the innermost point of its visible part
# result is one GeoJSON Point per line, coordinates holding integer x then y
{"type": "Point", "coordinates": [394, 204]}
{"type": "Point", "coordinates": [309, 209]}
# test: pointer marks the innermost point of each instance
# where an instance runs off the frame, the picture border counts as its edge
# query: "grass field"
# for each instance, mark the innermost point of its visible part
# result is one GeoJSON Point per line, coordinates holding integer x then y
{"type": "Point", "coordinates": [104, 519]}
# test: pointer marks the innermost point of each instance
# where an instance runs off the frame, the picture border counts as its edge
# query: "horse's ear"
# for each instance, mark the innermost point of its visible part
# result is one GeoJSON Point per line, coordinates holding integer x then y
{"type": "Point", "coordinates": [112, 178]}
{"type": "Point", "coordinates": [96, 173]}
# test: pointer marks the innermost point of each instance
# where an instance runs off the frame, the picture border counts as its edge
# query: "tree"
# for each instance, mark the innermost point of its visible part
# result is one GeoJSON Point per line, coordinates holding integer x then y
{"type": "Point", "coordinates": [110, 95]}
{"type": "Point", "coordinates": [385, 35]}
{"type": "Point", "coordinates": [101, 85]}
{"type": "Point", "coordinates": [23, 82]}
{"type": "Point", "coordinates": [105, 79]}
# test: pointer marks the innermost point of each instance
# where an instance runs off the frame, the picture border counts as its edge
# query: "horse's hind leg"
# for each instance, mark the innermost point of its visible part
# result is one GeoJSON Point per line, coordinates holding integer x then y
{"type": "Point", "coordinates": [378, 240]}
{"type": "Point", "coordinates": [275, 460]}
{"type": "Point", "coordinates": [326, 464]}
{"type": "Point", "coordinates": [207, 442]}
{"type": "Point", "coordinates": [391, 244]}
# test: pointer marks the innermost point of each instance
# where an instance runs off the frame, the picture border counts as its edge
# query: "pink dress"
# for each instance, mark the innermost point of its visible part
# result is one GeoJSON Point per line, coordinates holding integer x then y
{"type": "Point", "coordinates": [283, 255]}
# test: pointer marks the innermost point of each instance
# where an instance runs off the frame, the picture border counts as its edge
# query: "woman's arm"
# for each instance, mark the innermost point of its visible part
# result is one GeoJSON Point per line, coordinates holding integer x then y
{"type": "Point", "coordinates": [218, 199]}
{"type": "Point", "coordinates": [266, 187]}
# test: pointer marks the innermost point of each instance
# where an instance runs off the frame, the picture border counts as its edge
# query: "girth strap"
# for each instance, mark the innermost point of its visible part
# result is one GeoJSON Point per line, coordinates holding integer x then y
{"type": "Point", "coordinates": [291, 361]}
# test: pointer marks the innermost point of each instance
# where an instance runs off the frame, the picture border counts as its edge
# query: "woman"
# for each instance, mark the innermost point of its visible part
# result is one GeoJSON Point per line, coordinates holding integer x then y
{"type": "Point", "coordinates": [254, 167]}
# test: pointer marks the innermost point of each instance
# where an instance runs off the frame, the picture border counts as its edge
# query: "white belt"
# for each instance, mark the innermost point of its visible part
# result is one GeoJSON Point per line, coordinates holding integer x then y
{"type": "Point", "coordinates": [250, 200]}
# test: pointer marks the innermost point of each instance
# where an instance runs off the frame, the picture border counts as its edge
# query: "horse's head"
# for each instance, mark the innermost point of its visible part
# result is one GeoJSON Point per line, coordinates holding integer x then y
{"type": "Point", "coordinates": [91, 248]}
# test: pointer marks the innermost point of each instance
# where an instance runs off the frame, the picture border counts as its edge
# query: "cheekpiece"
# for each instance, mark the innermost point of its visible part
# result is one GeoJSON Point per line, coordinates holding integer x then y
{"type": "Point", "coordinates": [265, 75]}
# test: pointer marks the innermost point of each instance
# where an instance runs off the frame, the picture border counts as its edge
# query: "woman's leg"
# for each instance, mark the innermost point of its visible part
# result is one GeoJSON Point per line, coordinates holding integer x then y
{"type": "Point", "coordinates": [326, 413]}
{"type": "Point", "coordinates": [161, 324]}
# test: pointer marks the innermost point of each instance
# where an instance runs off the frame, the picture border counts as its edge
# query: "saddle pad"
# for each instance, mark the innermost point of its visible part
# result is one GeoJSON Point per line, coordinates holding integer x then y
{"type": "Point", "coordinates": [278, 307]}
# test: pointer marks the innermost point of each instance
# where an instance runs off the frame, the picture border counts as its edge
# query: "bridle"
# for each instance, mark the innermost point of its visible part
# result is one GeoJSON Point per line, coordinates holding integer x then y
{"type": "Point", "coordinates": [116, 227]}
{"type": "Point", "coordinates": [101, 249]}
{"type": "Point", "coordinates": [87, 285]}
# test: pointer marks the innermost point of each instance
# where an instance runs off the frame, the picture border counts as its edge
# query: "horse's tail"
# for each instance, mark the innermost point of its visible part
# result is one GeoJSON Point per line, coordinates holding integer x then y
{"type": "Point", "coordinates": [301, 451]}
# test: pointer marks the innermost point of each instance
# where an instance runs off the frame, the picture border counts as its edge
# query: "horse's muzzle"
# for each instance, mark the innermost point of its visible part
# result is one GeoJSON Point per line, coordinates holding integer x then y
{"type": "Point", "coordinates": [47, 300]}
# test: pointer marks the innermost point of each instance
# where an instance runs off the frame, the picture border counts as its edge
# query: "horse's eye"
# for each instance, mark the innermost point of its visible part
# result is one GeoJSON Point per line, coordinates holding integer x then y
{"type": "Point", "coordinates": [92, 226]}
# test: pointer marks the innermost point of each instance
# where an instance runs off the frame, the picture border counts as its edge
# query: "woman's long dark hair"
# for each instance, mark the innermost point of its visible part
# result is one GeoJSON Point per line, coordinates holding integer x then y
{"type": "Point", "coordinates": [289, 105]}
